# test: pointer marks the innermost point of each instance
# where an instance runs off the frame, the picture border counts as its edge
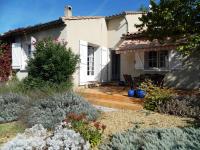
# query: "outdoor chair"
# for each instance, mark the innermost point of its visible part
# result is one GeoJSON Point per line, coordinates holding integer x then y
{"type": "Point", "coordinates": [137, 81]}
{"type": "Point", "coordinates": [128, 80]}
{"type": "Point", "coordinates": [159, 79]}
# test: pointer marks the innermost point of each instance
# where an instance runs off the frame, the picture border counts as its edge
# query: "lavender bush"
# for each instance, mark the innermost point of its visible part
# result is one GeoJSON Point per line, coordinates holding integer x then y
{"type": "Point", "coordinates": [155, 139]}
{"type": "Point", "coordinates": [38, 138]}
{"type": "Point", "coordinates": [11, 106]}
{"type": "Point", "coordinates": [54, 109]}
{"type": "Point", "coordinates": [187, 106]}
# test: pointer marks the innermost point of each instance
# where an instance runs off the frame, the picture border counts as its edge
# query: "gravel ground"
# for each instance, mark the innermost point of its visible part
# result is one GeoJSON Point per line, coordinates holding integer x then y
{"type": "Point", "coordinates": [105, 109]}
{"type": "Point", "coordinates": [121, 120]}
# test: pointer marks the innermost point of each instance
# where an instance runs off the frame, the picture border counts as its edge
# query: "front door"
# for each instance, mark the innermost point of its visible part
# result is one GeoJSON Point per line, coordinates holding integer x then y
{"type": "Point", "coordinates": [115, 66]}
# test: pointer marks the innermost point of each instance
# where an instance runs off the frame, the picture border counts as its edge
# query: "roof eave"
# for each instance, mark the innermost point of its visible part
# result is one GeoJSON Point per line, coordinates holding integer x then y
{"type": "Point", "coordinates": [31, 29]}
{"type": "Point", "coordinates": [122, 14]}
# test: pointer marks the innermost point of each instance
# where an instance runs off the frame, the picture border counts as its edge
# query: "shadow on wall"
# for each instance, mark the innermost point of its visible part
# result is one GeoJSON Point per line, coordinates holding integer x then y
{"type": "Point", "coordinates": [188, 77]}
{"type": "Point", "coordinates": [104, 75]}
{"type": "Point", "coordinates": [117, 26]}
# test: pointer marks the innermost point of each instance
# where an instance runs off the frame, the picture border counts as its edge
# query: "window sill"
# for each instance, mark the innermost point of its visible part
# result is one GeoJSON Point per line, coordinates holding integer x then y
{"type": "Point", "coordinates": [157, 69]}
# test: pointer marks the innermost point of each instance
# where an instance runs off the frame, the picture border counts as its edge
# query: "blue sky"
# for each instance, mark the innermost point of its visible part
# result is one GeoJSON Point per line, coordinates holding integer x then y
{"type": "Point", "coordinates": [21, 13]}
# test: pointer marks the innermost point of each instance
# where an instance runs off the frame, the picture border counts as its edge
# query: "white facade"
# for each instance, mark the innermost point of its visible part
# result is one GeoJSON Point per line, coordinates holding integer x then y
{"type": "Point", "coordinates": [77, 33]}
{"type": "Point", "coordinates": [95, 39]}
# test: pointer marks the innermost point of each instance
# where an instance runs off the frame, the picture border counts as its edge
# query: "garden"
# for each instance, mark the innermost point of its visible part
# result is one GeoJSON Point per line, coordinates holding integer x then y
{"type": "Point", "coordinates": [43, 112]}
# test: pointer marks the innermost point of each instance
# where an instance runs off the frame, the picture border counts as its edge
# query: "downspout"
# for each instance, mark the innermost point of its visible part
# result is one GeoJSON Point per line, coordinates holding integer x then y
{"type": "Point", "coordinates": [127, 30]}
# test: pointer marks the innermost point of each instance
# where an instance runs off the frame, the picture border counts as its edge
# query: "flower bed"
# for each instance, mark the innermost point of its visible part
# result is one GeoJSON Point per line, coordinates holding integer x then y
{"type": "Point", "coordinates": [37, 137]}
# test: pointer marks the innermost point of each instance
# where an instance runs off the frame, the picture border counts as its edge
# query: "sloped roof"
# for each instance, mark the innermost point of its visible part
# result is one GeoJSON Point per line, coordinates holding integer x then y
{"type": "Point", "coordinates": [30, 29]}
{"type": "Point", "coordinates": [124, 13]}
{"type": "Point", "coordinates": [82, 17]}
{"type": "Point", "coordinates": [58, 22]}
{"type": "Point", "coordinates": [43, 26]}
{"type": "Point", "coordinates": [137, 41]}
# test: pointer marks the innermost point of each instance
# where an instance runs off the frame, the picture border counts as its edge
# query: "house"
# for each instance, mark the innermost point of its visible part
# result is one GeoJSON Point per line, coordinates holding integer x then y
{"type": "Point", "coordinates": [108, 47]}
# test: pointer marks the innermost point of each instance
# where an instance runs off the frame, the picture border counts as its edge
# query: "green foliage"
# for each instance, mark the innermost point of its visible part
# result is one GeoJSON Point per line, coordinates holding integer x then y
{"type": "Point", "coordinates": [155, 139]}
{"type": "Point", "coordinates": [52, 64]}
{"type": "Point", "coordinates": [90, 131]}
{"type": "Point", "coordinates": [11, 106]}
{"type": "Point", "coordinates": [31, 84]}
{"type": "Point", "coordinates": [52, 110]}
{"type": "Point", "coordinates": [155, 95]}
{"type": "Point", "coordinates": [192, 47]}
{"type": "Point", "coordinates": [177, 19]}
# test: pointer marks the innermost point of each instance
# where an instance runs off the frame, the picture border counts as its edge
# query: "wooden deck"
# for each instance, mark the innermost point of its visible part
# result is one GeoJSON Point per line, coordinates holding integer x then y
{"type": "Point", "coordinates": [111, 96]}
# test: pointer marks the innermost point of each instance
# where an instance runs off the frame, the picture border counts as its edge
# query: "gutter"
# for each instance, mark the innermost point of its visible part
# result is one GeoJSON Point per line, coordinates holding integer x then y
{"type": "Point", "coordinates": [126, 23]}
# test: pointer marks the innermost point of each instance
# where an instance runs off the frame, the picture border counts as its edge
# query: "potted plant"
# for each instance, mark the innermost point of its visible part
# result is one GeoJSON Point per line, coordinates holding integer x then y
{"type": "Point", "coordinates": [131, 92]}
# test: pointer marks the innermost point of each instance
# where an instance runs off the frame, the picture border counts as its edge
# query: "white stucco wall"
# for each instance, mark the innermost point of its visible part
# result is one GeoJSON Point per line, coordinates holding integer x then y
{"type": "Point", "coordinates": [116, 27]}
{"type": "Point", "coordinates": [132, 21]}
{"type": "Point", "coordinates": [93, 31]}
{"type": "Point", "coordinates": [90, 30]}
{"type": "Point", "coordinates": [57, 32]}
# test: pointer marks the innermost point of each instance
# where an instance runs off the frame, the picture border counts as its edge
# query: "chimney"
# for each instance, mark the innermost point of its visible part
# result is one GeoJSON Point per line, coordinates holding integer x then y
{"type": "Point", "coordinates": [68, 11]}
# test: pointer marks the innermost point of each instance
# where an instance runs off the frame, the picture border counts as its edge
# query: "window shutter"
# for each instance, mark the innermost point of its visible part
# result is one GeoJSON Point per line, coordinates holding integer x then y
{"type": "Point", "coordinates": [146, 59]}
{"type": "Point", "coordinates": [16, 56]}
{"type": "Point", "coordinates": [175, 60]}
{"type": "Point", "coordinates": [104, 64]}
{"type": "Point", "coordinates": [83, 47]}
{"type": "Point", "coordinates": [139, 60]}
{"type": "Point", "coordinates": [33, 41]}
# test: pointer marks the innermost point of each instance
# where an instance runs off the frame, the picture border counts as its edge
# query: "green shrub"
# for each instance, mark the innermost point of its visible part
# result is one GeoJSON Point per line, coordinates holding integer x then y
{"type": "Point", "coordinates": [90, 131]}
{"type": "Point", "coordinates": [11, 106]}
{"type": "Point", "coordinates": [155, 139]}
{"type": "Point", "coordinates": [187, 106]}
{"type": "Point", "coordinates": [53, 109]}
{"type": "Point", "coordinates": [52, 64]}
{"type": "Point", "coordinates": [34, 84]}
{"type": "Point", "coordinates": [155, 95]}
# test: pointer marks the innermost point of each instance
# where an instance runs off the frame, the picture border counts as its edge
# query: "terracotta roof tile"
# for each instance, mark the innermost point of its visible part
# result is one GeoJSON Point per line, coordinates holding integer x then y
{"type": "Point", "coordinates": [138, 44]}
{"type": "Point", "coordinates": [42, 26]}
{"type": "Point", "coordinates": [124, 13]}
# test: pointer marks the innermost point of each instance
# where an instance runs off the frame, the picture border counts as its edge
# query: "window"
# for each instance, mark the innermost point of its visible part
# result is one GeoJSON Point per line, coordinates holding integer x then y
{"type": "Point", "coordinates": [90, 61]}
{"type": "Point", "coordinates": [29, 50]}
{"type": "Point", "coordinates": [156, 59]}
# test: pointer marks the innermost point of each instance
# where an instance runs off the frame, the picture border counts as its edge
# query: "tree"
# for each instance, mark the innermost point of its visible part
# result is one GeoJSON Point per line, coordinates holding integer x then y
{"type": "Point", "coordinates": [177, 19]}
{"type": "Point", "coordinates": [52, 63]}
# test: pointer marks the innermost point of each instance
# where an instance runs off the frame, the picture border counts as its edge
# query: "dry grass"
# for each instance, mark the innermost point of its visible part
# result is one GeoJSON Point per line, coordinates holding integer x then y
{"type": "Point", "coordinates": [122, 120]}
{"type": "Point", "coordinates": [9, 130]}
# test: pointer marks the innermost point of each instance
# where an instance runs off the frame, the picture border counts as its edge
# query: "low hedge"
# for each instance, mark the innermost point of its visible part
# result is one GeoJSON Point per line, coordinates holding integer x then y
{"type": "Point", "coordinates": [48, 111]}
{"type": "Point", "coordinates": [155, 139]}
{"type": "Point", "coordinates": [186, 106]}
